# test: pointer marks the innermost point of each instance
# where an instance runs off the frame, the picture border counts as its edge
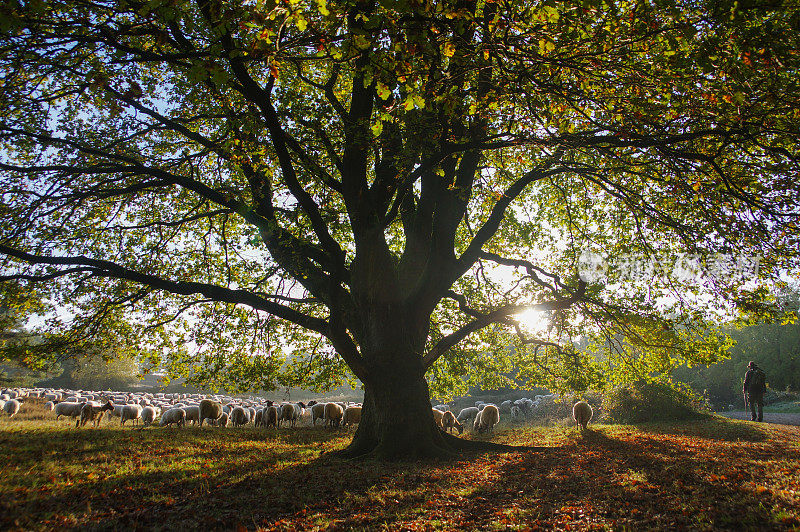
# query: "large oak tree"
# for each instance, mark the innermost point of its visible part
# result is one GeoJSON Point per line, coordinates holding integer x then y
{"type": "Point", "coordinates": [384, 186]}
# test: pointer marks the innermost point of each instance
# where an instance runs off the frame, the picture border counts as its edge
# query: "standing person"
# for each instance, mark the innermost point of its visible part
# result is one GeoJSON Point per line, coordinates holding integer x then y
{"type": "Point", "coordinates": [754, 387]}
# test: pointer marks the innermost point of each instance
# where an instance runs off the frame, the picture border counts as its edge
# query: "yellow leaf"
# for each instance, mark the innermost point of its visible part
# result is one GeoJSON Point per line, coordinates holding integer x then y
{"type": "Point", "coordinates": [449, 49]}
{"type": "Point", "coordinates": [383, 91]}
{"type": "Point", "coordinates": [377, 128]}
{"type": "Point", "coordinates": [301, 24]}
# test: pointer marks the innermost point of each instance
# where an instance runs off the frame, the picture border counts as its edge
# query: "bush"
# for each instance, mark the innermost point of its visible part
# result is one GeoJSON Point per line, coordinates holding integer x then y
{"type": "Point", "coordinates": [775, 396]}
{"type": "Point", "coordinates": [652, 401]}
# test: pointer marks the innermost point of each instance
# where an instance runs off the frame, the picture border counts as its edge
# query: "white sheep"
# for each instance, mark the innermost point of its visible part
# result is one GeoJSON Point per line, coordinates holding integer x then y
{"type": "Point", "coordinates": [49, 406]}
{"type": "Point", "coordinates": [149, 415]}
{"type": "Point", "coordinates": [291, 412]}
{"type": "Point", "coordinates": [173, 415]}
{"type": "Point", "coordinates": [582, 414]}
{"type": "Point", "coordinates": [271, 416]}
{"type": "Point", "coordinates": [516, 413]}
{"type": "Point", "coordinates": [222, 422]}
{"type": "Point", "coordinates": [443, 408]}
{"type": "Point", "coordinates": [438, 415]}
{"type": "Point", "coordinates": [209, 409]}
{"type": "Point", "coordinates": [240, 416]}
{"type": "Point", "coordinates": [467, 413]}
{"type": "Point", "coordinates": [352, 416]}
{"type": "Point", "coordinates": [132, 412]}
{"type": "Point", "coordinates": [317, 412]}
{"type": "Point", "coordinates": [67, 409]}
{"type": "Point", "coordinates": [11, 407]}
{"type": "Point", "coordinates": [333, 414]}
{"type": "Point", "coordinates": [487, 419]}
{"type": "Point", "coordinates": [192, 413]}
{"type": "Point", "coordinates": [449, 421]}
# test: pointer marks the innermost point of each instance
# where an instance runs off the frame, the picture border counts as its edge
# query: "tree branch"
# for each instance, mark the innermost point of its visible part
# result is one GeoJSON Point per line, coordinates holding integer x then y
{"type": "Point", "coordinates": [496, 316]}
{"type": "Point", "coordinates": [104, 268]}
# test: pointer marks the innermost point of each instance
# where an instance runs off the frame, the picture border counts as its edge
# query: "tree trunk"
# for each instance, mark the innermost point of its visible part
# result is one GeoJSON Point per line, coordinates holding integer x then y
{"type": "Point", "coordinates": [396, 421]}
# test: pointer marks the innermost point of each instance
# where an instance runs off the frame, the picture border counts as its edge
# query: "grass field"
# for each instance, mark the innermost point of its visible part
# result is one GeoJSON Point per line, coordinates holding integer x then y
{"type": "Point", "coordinates": [788, 407]}
{"type": "Point", "coordinates": [714, 474]}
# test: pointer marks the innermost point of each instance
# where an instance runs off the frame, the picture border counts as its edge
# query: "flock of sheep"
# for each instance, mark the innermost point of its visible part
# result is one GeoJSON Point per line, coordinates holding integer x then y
{"type": "Point", "coordinates": [179, 409]}
{"type": "Point", "coordinates": [484, 416]}
{"type": "Point", "coordinates": [221, 410]}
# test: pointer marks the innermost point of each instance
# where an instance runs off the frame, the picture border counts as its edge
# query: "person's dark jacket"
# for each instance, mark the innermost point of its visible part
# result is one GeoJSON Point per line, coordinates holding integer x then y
{"type": "Point", "coordinates": [748, 378]}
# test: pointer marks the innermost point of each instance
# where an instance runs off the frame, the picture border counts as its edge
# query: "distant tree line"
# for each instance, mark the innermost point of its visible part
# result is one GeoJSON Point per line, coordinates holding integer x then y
{"type": "Point", "coordinates": [774, 347]}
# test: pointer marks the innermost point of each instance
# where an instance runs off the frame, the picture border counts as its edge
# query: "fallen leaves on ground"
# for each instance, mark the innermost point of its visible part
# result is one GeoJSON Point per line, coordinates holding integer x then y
{"type": "Point", "coordinates": [709, 475]}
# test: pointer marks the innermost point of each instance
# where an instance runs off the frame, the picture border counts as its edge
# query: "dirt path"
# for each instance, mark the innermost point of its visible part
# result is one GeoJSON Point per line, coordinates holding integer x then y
{"type": "Point", "coordinates": [769, 417]}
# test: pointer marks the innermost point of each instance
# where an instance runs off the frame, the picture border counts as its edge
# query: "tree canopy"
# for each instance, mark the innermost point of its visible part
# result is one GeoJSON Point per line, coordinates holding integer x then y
{"type": "Point", "coordinates": [381, 188]}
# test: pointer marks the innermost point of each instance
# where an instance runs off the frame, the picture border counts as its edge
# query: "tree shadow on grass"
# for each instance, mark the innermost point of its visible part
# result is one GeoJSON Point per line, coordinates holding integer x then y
{"type": "Point", "coordinates": [252, 479]}
{"type": "Point", "coordinates": [712, 428]}
{"type": "Point", "coordinates": [646, 481]}
{"type": "Point", "coordinates": [224, 480]}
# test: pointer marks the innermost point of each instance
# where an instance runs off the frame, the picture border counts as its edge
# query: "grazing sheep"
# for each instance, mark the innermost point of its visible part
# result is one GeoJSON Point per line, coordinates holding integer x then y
{"type": "Point", "coordinates": [271, 417]}
{"type": "Point", "coordinates": [132, 412]}
{"type": "Point", "coordinates": [443, 408]}
{"type": "Point", "coordinates": [467, 414]}
{"type": "Point", "coordinates": [209, 409]}
{"type": "Point", "coordinates": [68, 409]}
{"type": "Point", "coordinates": [192, 413]}
{"type": "Point", "coordinates": [240, 416]}
{"type": "Point", "coordinates": [221, 422]}
{"type": "Point", "coordinates": [352, 415]}
{"type": "Point", "coordinates": [516, 413]}
{"type": "Point", "coordinates": [174, 415]}
{"type": "Point", "coordinates": [49, 405]}
{"type": "Point", "coordinates": [291, 412]}
{"type": "Point", "coordinates": [94, 413]}
{"type": "Point", "coordinates": [449, 421]}
{"type": "Point", "coordinates": [259, 417]}
{"type": "Point", "coordinates": [582, 414]}
{"type": "Point", "coordinates": [487, 419]}
{"type": "Point", "coordinates": [149, 414]}
{"type": "Point", "coordinates": [333, 414]}
{"type": "Point", "coordinates": [317, 412]}
{"type": "Point", "coordinates": [526, 405]}
{"type": "Point", "coordinates": [437, 416]}
{"type": "Point", "coordinates": [11, 407]}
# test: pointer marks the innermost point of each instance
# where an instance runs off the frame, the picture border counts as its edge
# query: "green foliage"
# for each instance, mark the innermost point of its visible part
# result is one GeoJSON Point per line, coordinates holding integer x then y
{"type": "Point", "coordinates": [13, 374]}
{"type": "Point", "coordinates": [254, 195]}
{"type": "Point", "coordinates": [773, 346]}
{"type": "Point", "coordinates": [93, 372]}
{"type": "Point", "coordinates": [645, 401]}
{"type": "Point", "coordinates": [18, 303]}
